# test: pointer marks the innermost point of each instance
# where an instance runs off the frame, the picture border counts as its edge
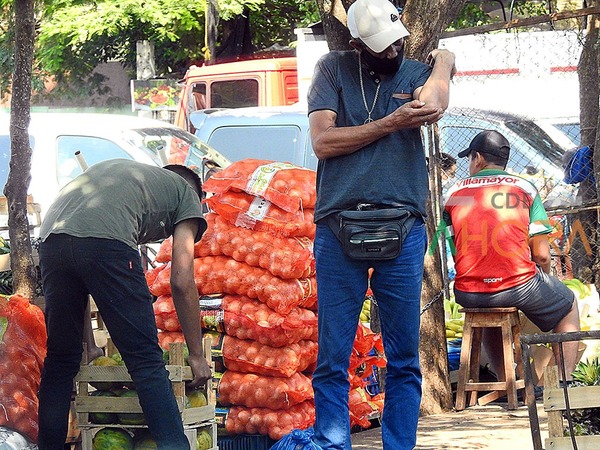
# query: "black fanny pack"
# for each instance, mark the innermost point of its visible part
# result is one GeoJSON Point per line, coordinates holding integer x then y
{"type": "Point", "coordinates": [372, 234]}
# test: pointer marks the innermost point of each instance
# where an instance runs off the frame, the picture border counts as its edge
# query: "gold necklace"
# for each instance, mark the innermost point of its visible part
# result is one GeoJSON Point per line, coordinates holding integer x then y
{"type": "Point", "coordinates": [364, 97]}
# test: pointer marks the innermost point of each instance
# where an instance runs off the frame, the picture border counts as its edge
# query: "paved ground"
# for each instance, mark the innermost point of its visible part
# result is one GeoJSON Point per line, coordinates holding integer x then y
{"type": "Point", "coordinates": [480, 427]}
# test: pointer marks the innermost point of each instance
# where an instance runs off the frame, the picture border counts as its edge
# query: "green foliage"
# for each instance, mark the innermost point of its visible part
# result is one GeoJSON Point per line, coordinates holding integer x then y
{"type": "Point", "coordinates": [588, 372]}
{"type": "Point", "coordinates": [587, 421]}
{"type": "Point", "coordinates": [74, 36]}
{"type": "Point", "coordinates": [472, 15]}
{"type": "Point", "coordinates": [284, 16]}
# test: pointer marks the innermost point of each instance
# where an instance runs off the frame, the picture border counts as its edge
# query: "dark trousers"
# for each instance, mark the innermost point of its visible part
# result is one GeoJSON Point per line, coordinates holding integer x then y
{"type": "Point", "coordinates": [111, 272]}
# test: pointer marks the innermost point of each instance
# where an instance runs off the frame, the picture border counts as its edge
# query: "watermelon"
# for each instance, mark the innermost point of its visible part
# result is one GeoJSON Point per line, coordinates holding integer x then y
{"type": "Point", "coordinates": [111, 439]}
{"type": "Point", "coordinates": [204, 440]}
{"type": "Point", "coordinates": [131, 418]}
{"type": "Point", "coordinates": [103, 417]}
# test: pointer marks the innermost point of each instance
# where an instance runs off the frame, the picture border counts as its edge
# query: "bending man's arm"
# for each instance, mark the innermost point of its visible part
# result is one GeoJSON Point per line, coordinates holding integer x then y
{"type": "Point", "coordinates": [185, 298]}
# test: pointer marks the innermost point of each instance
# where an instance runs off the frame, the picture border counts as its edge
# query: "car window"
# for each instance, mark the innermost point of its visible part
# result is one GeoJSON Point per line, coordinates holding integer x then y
{"type": "Point", "coordinates": [234, 94]}
{"type": "Point", "coordinates": [93, 150]}
{"type": "Point", "coordinates": [538, 139]}
{"type": "Point", "coordinates": [277, 142]}
{"type": "Point", "coordinates": [572, 130]}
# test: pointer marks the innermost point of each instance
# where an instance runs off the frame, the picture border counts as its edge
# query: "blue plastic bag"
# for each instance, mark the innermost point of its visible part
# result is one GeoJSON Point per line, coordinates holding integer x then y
{"type": "Point", "coordinates": [297, 440]}
{"type": "Point", "coordinates": [579, 166]}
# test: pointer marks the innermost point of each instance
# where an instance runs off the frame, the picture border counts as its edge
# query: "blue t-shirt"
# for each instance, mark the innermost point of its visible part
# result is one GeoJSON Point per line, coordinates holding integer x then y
{"type": "Point", "coordinates": [391, 170]}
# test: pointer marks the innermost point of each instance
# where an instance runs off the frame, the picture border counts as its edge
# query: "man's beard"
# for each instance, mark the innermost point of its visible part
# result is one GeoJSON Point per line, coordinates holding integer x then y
{"type": "Point", "coordinates": [382, 66]}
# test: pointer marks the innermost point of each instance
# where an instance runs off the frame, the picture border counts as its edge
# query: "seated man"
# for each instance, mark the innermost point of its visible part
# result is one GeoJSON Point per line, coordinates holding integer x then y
{"type": "Point", "coordinates": [502, 254]}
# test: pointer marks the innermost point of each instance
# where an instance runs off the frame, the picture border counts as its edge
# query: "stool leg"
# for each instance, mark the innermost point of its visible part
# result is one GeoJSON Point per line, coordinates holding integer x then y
{"type": "Point", "coordinates": [509, 366]}
{"type": "Point", "coordinates": [475, 363]}
{"type": "Point", "coordinates": [464, 366]}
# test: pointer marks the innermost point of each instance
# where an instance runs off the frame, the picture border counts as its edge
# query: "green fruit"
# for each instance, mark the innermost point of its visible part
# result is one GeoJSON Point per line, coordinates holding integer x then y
{"type": "Point", "coordinates": [131, 418]}
{"type": "Point", "coordinates": [104, 361]}
{"type": "Point", "coordinates": [103, 417]}
{"type": "Point", "coordinates": [203, 440]}
{"type": "Point", "coordinates": [118, 359]}
{"type": "Point", "coordinates": [111, 439]}
{"type": "Point", "coordinates": [196, 399]}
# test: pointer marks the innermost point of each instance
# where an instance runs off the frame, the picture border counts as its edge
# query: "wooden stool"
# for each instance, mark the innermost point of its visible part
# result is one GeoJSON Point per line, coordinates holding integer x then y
{"type": "Point", "coordinates": [507, 319]}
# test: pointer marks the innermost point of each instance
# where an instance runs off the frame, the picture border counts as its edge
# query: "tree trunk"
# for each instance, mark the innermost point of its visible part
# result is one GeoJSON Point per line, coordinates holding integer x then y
{"type": "Point", "coordinates": [333, 16]}
{"type": "Point", "coordinates": [425, 20]}
{"type": "Point", "coordinates": [585, 265]}
{"type": "Point", "coordinates": [23, 270]}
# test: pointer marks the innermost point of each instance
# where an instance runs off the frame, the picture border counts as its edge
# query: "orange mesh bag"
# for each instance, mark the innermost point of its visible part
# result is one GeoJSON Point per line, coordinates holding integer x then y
{"type": "Point", "coordinates": [151, 276]}
{"type": "Point", "coordinates": [361, 407]}
{"type": "Point", "coordinates": [252, 357]}
{"type": "Point", "coordinates": [165, 250]}
{"type": "Point", "coordinates": [291, 188]}
{"type": "Point", "coordinates": [256, 213]}
{"type": "Point", "coordinates": [222, 274]}
{"type": "Point", "coordinates": [260, 391]}
{"type": "Point", "coordinates": [246, 318]}
{"type": "Point", "coordinates": [165, 314]}
{"type": "Point", "coordinates": [22, 353]}
{"type": "Point", "coordinates": [167, 337]}
{"type": "Point", "coordinates": [283, 257]}
{"type": "Point", "coordinates": [275, 423]}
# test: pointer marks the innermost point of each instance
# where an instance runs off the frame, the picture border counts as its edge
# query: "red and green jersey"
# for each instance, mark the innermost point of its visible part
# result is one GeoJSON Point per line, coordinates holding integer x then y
{"type": "Point", "coordinates": [491, 216]}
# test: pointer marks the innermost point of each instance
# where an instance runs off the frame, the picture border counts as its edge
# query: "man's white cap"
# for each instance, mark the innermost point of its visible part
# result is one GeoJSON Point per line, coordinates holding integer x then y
{"type": "Point", "coordinates": [376, 23]}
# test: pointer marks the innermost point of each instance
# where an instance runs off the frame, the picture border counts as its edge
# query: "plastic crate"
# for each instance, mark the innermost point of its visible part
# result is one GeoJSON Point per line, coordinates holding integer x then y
{"type": "Point", "coordinates": [245, 442]}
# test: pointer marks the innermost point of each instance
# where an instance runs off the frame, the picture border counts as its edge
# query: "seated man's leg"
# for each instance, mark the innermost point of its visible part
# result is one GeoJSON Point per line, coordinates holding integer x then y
{"type": "Point", "coordinates": [568, 323]}
{"type": "Point", "coordinates": [551, 305]}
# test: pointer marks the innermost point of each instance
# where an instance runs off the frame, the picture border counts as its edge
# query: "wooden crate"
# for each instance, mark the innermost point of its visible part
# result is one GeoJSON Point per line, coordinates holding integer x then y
{"type": "Point", "coordinates": [87, 434]}
{"type": "Point", "coordinates": [580, 397]}
{"type": "Point", "coordinates": [194, 419]}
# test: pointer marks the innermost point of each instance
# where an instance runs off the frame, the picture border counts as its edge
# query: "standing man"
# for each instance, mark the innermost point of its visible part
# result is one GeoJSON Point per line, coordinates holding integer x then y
{"type": "Point", "coordinates": [90, 239]}
{"type": "Point", "coordinates": [365, 108]}
{"type": "Point", "coordinates": [502, 258]}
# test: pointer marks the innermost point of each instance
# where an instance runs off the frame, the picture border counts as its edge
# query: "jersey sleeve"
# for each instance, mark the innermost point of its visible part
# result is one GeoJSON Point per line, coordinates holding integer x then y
{"type": "Point", "coordinates": [538, 218]}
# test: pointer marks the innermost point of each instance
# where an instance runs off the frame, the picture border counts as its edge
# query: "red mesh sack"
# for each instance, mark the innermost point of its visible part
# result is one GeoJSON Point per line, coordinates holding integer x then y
{"type": "Point", "coordinates": [22, 353]}
{"type": "Point", "coordinates": [274, 423]}
{"type": "Point", "coordinates": [255, 213]}
{"type": "Point", "coordinates": [361, 407]}
{"type": "Point", "coordinates": [167, 337]}
{"type": "Point", "coordinates": [246, 318]}
{"type": "Point", "coordinates": [165, 314]}
{"type": "Point", "coordinates": [152, 274]}
{"type": "Point", "coordinates": [283, 257]}
{"type": "Point", "coordinates": [165, 250]}
{"type": "Point", "coordinates": [260, 391]}
{"type": "Point", "coordinates": [291, 188]}
{"type": "Point", "coordinates": [252, 357]}
{"type": "Point", "coordinates": [221, 274]}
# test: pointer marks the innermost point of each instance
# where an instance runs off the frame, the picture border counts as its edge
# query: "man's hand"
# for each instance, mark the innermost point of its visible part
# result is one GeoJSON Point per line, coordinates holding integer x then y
{"type": "Point", "coordinates": [200, 369]}
{"type": "Point", "coordinates": [442, 56]}
{"type": "Point", "coordinates": [415, 114]}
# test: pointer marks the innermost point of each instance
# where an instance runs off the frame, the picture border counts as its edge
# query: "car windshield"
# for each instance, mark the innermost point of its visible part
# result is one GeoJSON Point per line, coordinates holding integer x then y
{"type": "Point", "coordinates": [179, 144]}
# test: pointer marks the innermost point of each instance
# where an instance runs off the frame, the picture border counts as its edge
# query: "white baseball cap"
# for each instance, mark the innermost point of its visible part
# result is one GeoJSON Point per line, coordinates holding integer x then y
{"type": "Point", "coordinates": [376, 23]}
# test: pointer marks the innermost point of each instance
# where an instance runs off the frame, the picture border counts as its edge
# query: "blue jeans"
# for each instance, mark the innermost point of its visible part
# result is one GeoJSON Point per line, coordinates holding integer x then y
{"type": "Point", "coordinates": [112, 273]}
{"type": "Point", "coordinates": [342, 284]}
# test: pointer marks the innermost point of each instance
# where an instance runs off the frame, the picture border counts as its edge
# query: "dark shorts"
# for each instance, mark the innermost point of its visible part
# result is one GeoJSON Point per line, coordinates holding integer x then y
{"type": "Point", "coordinates": [544, 299]}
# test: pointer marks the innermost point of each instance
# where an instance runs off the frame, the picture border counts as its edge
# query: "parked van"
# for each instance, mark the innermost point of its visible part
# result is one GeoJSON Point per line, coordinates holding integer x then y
{"type": "Point", "coordinates": [257, 82]}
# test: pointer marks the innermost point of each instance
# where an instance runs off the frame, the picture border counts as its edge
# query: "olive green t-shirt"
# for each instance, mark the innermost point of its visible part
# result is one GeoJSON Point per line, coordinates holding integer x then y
{"type": "Point", "coordinates": [123, 200]}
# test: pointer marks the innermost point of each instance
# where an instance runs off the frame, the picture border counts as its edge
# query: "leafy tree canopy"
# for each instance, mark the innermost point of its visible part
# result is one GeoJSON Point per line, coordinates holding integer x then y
{"type": "Point", "coordinates": [74, 36]}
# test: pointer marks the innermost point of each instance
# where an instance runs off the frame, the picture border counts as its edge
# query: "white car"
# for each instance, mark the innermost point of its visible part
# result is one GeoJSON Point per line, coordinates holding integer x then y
{"type": "Point", "coordinates": [55, 139]}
